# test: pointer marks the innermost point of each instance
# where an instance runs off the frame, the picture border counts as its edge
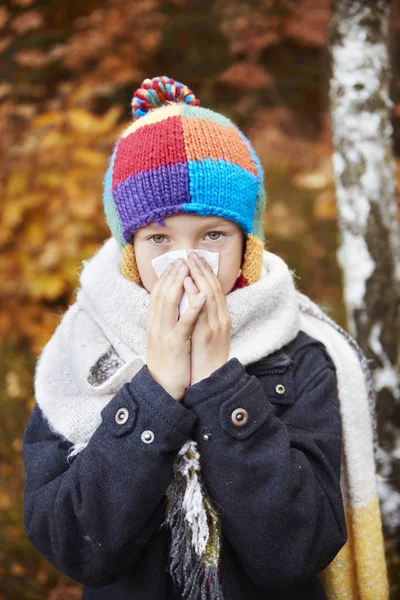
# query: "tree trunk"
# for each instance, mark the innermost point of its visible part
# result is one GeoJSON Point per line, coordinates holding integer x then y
{"type": "Point", "coordinates": [369, 246]}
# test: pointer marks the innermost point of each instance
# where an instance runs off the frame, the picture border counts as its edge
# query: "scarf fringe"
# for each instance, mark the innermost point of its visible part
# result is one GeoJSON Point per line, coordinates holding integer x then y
{"type": "Point", "coordinates": [195, 530]}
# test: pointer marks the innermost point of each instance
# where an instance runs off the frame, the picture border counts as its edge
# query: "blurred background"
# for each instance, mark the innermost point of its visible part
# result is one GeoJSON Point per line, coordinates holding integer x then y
{"type": "Point", "coordinates": [68, 70]}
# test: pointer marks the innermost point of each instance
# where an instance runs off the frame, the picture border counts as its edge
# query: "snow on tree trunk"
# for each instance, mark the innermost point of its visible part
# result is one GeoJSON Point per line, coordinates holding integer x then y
{"type": "Point", "coordinates": [369, 247]}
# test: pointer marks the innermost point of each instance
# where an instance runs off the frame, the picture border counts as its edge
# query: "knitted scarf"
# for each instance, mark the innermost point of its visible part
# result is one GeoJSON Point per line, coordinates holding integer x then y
{"type": "Point", "coordinates": [100, 343]}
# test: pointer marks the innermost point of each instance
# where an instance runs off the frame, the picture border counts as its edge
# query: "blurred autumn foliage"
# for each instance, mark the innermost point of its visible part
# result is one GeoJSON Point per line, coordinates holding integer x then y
{"type": "Point", "coordinates": [68, 70]}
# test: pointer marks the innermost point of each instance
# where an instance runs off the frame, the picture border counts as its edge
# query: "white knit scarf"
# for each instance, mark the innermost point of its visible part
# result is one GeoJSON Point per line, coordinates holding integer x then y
{"type": "Point", "coordinates": [106, 326]}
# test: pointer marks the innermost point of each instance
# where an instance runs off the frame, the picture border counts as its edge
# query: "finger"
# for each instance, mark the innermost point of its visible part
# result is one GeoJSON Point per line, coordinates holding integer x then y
{"type": "Point", "coordinates": [192, 290]}
{"type": "Point", "coordinates": [158, 292]}
{"type": "Point", "coordinates": [214, 282]}
{"type": "Point", "coordinates": [154, 295]}
{"type": "Point", "coordinates": [160, 288]}
{"type": "Point", "coordinates": [210, 276]}
{"type": "Point", "coordinates": [196, 272]}
{"type": "Point", "coordinates": [171, 295]}
{"type": "Point", "coordinates": [190, 287]}
{"type": "Point", "coordinates": [196, 277]}
{"type": "Point", "coordinates": [202, 280]}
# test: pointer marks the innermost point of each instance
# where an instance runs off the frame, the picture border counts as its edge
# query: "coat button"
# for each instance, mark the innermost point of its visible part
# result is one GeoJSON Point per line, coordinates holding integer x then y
{"type": "Point", "coordinates": [240, 416]}
{"type": "Point", "coordinates": [147, 436]}
{"type": "Point", "coordinates": [121, 416]}
{"type": "Point", "coordinates": [280, 389]}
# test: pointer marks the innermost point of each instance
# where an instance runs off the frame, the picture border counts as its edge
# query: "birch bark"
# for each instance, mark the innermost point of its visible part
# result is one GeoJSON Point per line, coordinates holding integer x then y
{"type": "Point", "coordinates": [369, 246]}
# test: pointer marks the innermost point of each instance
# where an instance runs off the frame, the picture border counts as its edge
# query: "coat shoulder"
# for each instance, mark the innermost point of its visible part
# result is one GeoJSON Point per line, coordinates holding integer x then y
{"type": "Point", "coordinates": [304, 343]}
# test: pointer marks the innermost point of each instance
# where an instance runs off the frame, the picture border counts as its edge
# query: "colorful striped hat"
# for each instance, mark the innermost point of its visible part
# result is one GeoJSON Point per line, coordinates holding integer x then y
{"type": "Point", "coordinates": [177, 157]}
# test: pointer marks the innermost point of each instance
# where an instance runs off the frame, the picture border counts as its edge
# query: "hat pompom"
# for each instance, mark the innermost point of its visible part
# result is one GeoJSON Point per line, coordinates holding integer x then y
{"type": "Point", "coordinates": [158, 91]}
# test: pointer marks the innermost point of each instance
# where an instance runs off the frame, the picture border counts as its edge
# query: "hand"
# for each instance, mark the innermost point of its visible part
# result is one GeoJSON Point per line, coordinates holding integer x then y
{"type": "Point", "coordinates": [167, 337]}
{"type": "Point", "coordinates": [211, 335]}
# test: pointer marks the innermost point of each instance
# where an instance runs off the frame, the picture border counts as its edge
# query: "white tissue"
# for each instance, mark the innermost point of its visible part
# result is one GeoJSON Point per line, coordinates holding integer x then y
{"type": "Point", "coordinates": [161, 262]}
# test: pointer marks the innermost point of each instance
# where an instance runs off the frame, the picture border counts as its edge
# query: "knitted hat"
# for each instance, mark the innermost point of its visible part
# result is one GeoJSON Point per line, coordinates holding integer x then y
{"type": "Point", "coordinates": [176, 157]}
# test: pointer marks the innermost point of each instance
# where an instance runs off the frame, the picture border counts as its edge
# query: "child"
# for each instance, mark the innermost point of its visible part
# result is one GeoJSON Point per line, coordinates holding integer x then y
{"type": "Point", "coordinates": [205, 455]}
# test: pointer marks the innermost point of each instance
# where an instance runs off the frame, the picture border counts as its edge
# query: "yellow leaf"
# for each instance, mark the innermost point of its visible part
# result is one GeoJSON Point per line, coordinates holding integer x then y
{"type": "Point", "coordinates": [82, 121]}
{"type": "Point", "coordinates": [16, 183]}
{"type": "Point", "coordinates": [48, 286]}
{"type": "Point", "coordinates": [89, 158]}
{"type": "Point", "coordinates": [12, 214]}
{"type": "Point", "coordinates": [32, 200]}
{"type": "Point", "coordinates": [50, 179]}
{"type": "Point", "coordinates": [35, 232]}
{"type": "Point", "coordinates": [70, 271]}
{"type": "Point", "coordinates": [52, 139]}
{"type": "Point", "coordinates": [52, 118]}
{"type": "Point", "coordinates": [14, 209]}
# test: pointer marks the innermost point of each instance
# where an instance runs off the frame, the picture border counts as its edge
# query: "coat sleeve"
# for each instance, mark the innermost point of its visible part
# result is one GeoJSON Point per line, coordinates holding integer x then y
{"type": "Point", "coordinates": [276, 480]}
{"type": "Point", "coordinates": [91, 517]}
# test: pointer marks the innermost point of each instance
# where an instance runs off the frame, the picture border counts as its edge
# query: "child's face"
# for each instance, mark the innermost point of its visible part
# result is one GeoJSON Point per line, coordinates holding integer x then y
{"type": "Point", "coordinates": [183, 231]}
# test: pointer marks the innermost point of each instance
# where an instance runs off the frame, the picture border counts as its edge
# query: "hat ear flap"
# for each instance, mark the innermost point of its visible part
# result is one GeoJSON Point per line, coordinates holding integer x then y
{"type": "Point", "coordinates": [129, 268]}
{"type": "Point", "coordinates": [253, 259]}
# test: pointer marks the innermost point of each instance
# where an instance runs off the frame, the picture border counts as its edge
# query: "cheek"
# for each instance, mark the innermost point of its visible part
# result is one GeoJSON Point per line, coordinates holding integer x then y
{"type": "Point", "coordinates": [145, 268]}
{"type": "Point", "coordinates": [228, 272]}
{"type": "Point", "coordinates": [148, 277]}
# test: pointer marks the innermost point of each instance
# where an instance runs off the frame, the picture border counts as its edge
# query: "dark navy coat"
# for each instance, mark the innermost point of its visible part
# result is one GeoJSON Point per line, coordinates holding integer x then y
{"type": "Point", "coordinates": [276, 478]}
